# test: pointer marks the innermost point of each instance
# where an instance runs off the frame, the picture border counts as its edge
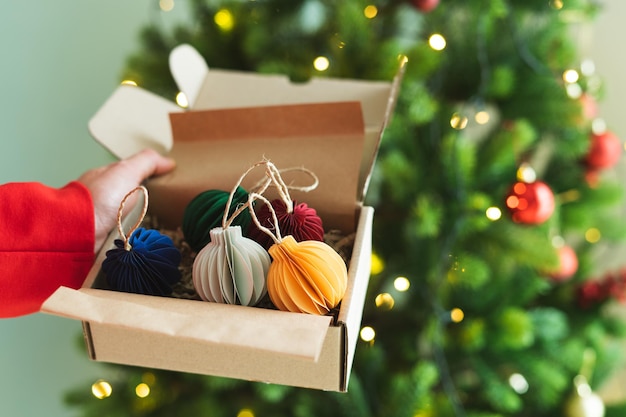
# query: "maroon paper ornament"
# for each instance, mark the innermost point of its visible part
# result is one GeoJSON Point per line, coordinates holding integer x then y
{"type": "Point", "coordinates": [294, 219]}
{"type": "Point", "coordinates": [530, 202]}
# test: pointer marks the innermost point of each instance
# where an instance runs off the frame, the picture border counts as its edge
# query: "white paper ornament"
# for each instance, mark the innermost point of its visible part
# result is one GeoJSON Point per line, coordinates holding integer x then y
{"type": "Point", "coordinates": [231, 269]}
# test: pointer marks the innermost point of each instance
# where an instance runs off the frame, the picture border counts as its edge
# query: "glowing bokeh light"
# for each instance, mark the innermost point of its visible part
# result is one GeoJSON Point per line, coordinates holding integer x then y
{"type": "Point", "coordinates": [321, 63]}
{"type": "Point", "coordinates": [384, 301]}
{"type": "Point", "coordinates": [142, 390]}
{"type": "Point", "coordinates": [181, 100]}
{"type": "Point", "coordinates": [493, 213]}
{"type": "Point", "coordinates": [367, 334]}
{"type": "Point", "coordinates": [370, 11]}
{"type": "Point", "coordinates": [401, 284]}
{"type": "Point", "coordinates": [437, 42]}
{"type": "Point", "coordinates": [166, 5]}
{"type": "Point", "coordinates": [101, 389]}
{"type": "Point", "coordinates": [224, 19]}
{"type": "Point", "coordinates": [593, 235]}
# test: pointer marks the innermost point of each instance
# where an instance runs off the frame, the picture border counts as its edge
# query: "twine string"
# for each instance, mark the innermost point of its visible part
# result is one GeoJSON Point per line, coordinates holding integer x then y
{"type": "Point", "coordinates": [263, 184]}
{"type": "Point", "coordinates": [120, 211]}
{"type": "Point", "coordinates": [226, 220]}
{"type": "Point", "coordinates": [277, 238]}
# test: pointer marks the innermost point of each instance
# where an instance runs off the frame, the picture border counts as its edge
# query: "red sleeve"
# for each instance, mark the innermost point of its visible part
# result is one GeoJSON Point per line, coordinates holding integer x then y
{"type": "Point", "coordinates": [46, 241]}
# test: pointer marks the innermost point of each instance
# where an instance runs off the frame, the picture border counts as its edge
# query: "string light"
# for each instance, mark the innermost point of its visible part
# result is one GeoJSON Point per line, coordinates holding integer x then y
{"type": "Point", "coordinates": [526, 173]}
{"type": "Point", "coordinates": [458, 121]}
{"type": "Point", "coordinates": [370, 11]}
{"type": "Point", "coordinates": [321, 63]}
{"type": "Point", "coordinates": [570, 76]}
{"type": "Point", "coordinates": [377, 265]}
{"type": "Point", "coordinates": [437, 42]}
{"type": "Point", "coordinates": [558, 241]}
{"type": "Point", "coordinates": [384, 301]}
{"type": "Point", "coordinates": [246, 412]}
{"type": "Point", "coordinates": [129, 82]}
{"type": "Point", "coordinates": [401, 284]}
{"type": "Point", "coordinates": [142, 390]}
{"type": "Point", "coordinates": [367, 334]}
{"type": "Point", "coordinates": [593, 235]}
{"type": "Point", "coordinates": [482, 117]}
{"type": "Point", "coordinates": [574, 91]}
{"type": "Point", "coordinates": [493, 213]}
{"type": "Point", "coordinates": [224, 19]}
{"type": "Point", "coordinates": [457, 315]}
{"type": "Point", "coordinates": [518, 383]}
{"type": "Point", "coordinates": [598, 126]}
{"type": "Point", "coordinates": [101, 389]}
{"type": "Point", "coordinates": [181, 100]}
{"type": "Point", "coordinates": [556, 4]}
{"type": "Point", "coordinates": [587, 67]}
{"type": "Point", "coordinates": [166, 5]}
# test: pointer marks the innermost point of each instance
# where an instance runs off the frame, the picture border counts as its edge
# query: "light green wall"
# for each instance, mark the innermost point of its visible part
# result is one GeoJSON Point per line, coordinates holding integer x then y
{"type": "Point", "coordinates": [60, 60]}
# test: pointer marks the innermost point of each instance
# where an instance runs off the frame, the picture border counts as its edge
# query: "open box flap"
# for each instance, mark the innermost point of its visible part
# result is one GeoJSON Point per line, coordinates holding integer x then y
{"type": "Point", "coordinates": [214, 147]}
{"type": "Point", "coordinates": [298, 335]}
{"type": "Point", "coordinates": [133, 119]}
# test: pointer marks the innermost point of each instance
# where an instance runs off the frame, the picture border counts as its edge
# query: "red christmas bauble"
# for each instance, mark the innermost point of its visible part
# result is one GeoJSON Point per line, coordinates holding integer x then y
{"type": "Point", "coordinates": [425, 6]}
{"type": "Point", "coordinates": [568, 264]}
{"type": "Point", "coordinates": [604, 151]}
{"type": "Point", "coordinates": [530, 203]}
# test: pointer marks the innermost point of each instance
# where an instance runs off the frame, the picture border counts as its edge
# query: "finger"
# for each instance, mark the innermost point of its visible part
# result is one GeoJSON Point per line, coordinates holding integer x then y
{"type": "Point", "coordinates": [147, 163]}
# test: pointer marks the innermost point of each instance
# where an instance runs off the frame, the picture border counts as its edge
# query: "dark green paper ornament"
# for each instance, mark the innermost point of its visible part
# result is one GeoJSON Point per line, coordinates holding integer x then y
{"type": "Point", "coordinates": [206, 211]}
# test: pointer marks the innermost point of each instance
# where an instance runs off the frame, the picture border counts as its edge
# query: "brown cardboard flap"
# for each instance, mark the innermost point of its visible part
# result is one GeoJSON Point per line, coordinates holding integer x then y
{"type": "Point", "coordinates": [213, 148]}
{"type": "Point", "coordinates": [298, 335]}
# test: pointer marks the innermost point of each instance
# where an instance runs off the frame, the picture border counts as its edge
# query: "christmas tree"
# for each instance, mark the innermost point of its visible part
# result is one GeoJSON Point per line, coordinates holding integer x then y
{"type": "Point", "coordinates": [490, 192]}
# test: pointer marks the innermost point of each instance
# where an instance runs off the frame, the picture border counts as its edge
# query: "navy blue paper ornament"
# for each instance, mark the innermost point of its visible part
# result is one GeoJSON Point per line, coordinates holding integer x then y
{"type": "Point", "coordinates": [146, 262]}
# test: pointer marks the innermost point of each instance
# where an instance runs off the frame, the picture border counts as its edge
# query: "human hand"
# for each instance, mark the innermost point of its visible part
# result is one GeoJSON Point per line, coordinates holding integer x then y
{"type": "Point", "coordinates": [109, 184]}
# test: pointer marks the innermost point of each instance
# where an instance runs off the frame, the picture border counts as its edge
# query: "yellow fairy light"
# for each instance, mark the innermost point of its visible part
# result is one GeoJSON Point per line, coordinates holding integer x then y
{"type": "Point", "coordinates": [482, 117]}
{"type": "Point", "coordinates": [377, 265]}
{"type": "Point", "coordinates": [246, 412]}
{"type": "Point", "coordinates": [458, 121]}
{"type": "Point", "coordinates": [129, 82]}
{"type": "Point", "coordinates": [593, 235]}
{"type": "Point", "coordinates": [142, 390]}
{"type": "Point", "coordinates": [526, 173]}
{"type": "Point", "coordinates": [321, 63]}
{"type": "Point", "coordinates": [367, 334]}
{"type": "Point", "coordinates": [457, 315]}
{"type": "Point", "coordinates": [181, 100]}
{"type": "Point", "coordinates": [570, 76]}
{"type": "Point", "coordinates": [101, 389]}
{"type": "Point", "coordinates": [370, 11]}
{"type": "Point", "coordinates": [224, 19]}
{"type": "Point", "coordinates": [493, 213]}
{"type": "Point", "coordinates": [149, 378]}
{"type": "Point", "coordinates": [437, 42]}
{"type": "Point", "coordinates": [401, 284]}
{"type": "Point", "coordinates": [166, 5]}
{"type": "Point", "coordinates": [556, 4]}
{"type": "Point", "coordinates": [384, 301]}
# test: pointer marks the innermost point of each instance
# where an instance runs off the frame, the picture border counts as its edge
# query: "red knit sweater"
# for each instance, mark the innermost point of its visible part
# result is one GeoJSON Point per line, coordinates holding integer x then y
{"type": "Point", "coordinates": [46, 241]}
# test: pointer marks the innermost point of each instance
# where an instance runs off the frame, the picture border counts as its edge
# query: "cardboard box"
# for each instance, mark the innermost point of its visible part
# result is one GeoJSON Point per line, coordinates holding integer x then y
{"type": "Point", "coordinates": [332, 127]}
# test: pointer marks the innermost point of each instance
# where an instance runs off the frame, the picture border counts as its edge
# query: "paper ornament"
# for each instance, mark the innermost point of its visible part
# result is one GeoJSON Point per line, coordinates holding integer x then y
{"type": "Point", "coordinates": [231, 268]}
{"type": "Point", "coordinates": [205, 213]}
{"type": "Point", "coordinates": [304, 277]}
{"type": "Point", "coordinates": [294, 219]}
{"type": "Point", "coordinates": [145, 261]}
{"type": "Point", "coordinates": [530, 202]}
